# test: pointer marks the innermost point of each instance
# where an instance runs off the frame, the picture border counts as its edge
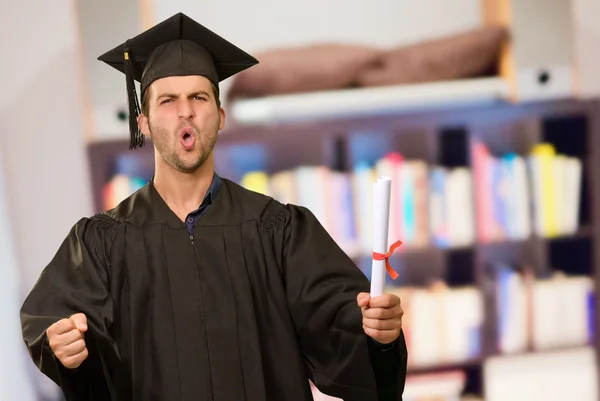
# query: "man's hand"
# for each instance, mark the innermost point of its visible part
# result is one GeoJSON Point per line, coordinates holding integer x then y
{"type": "Point", "coordinates": [382, 316]}
{"type": "Point", "coordinates": [67, 342]}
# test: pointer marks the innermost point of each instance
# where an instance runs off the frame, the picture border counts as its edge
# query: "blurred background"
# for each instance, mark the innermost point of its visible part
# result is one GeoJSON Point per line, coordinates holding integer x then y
{"type": "Point", "coordinates": [484, 113]}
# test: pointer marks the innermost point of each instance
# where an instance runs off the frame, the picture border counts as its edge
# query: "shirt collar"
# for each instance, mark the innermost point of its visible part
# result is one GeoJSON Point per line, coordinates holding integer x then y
{"type": "Point", "coordinates": [211, 193]}
{"type": "Point", "coordinates": [213, 190]}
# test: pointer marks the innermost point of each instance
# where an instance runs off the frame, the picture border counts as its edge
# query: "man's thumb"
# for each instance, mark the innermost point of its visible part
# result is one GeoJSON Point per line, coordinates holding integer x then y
{"type": "Point", "coordinates": [363, 299]}
{"type": "Point", "coordinates": [80, 321]}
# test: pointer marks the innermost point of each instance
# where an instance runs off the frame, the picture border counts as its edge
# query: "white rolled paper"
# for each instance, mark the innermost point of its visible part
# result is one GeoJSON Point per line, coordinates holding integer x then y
{"type": "Point", "coordinates": [381, 216]}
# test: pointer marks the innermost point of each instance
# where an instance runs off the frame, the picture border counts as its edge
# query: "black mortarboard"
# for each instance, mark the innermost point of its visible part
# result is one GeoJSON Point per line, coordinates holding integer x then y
{"type": "Point", "coordinates": [175, 47]}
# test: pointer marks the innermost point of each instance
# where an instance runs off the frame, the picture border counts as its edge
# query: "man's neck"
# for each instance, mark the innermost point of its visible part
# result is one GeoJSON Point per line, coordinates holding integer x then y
{"type": "Point", "coordinates": [183, 192]}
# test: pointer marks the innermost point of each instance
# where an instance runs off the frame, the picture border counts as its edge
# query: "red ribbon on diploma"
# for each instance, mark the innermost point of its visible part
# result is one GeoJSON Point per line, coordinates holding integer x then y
{"type": "Point", "coordinates": [388, 267]}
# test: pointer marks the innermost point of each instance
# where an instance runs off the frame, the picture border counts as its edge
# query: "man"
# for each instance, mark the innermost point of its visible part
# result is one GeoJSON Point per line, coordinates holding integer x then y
{"type": "Point", "coordinates": [240, 298]}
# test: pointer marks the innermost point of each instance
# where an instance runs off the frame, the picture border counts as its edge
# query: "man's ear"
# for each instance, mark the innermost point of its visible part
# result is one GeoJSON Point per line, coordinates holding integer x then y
{"type": "Point", "coordinates": [223, 117]}
{"type": "Point", "coordinates": [142, 121]}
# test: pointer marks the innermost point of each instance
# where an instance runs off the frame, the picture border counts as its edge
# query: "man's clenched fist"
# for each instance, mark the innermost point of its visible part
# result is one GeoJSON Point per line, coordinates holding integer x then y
{"type": "Point", "coordinates": [67, 342]}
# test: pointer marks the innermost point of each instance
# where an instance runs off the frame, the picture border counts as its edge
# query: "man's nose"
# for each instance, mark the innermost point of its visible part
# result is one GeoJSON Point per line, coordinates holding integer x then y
{"type": "Point", "coordinates": [185, 109]}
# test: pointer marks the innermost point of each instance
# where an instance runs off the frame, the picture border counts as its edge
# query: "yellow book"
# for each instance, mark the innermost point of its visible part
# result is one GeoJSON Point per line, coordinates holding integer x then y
{"type": "Point", "coordinates": [257, 181]}
{"type": "Point", "coordinates": [545, 154]}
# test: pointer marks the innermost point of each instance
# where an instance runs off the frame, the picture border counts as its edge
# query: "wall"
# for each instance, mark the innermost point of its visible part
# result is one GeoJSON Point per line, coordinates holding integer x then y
{"type": "Point", "coordinates": [587, 37]}
{"type": "Point", "coordinates": [372, 22]}
{"type": "Point", "coordinates": [42, 129]}
{"type": "Point", "coordinates": [104, 25]}
{"type": "Point", "coordinates": [43, 156]}
{"type": "Point", "coordinates": [15, 384]}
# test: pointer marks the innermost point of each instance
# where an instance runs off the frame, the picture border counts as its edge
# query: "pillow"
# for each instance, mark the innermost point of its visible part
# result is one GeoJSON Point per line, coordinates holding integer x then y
{"type": "Point", "coordinates": [466, 55]}
{"type": "Point", "coordinates": [308, 68]}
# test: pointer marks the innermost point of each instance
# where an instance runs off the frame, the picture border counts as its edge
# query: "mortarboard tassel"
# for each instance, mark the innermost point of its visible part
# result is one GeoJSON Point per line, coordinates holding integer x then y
{"type": "Point", "coordinates": [136, 136]}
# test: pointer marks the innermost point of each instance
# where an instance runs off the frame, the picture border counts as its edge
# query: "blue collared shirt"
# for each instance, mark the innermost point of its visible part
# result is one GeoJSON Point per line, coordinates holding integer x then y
{"type": "Point", "coordinates": [211, 194]}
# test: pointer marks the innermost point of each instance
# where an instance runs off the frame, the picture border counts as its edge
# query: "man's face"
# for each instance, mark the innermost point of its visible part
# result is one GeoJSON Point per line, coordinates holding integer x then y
{"type": "Point", "coordinates": [183, 120]}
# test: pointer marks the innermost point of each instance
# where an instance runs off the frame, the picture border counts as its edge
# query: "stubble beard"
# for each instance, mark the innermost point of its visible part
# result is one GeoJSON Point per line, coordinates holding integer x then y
{"type": "Point", "coordinates": [205, 140]}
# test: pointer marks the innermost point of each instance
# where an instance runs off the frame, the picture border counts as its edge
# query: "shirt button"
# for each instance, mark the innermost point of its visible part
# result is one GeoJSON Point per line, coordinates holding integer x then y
{"type": "Point", "coordinates": [190, 220]}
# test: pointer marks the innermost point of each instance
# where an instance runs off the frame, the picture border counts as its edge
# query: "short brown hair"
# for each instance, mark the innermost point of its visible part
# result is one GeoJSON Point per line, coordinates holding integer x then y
{"type": "Point", "coordinates": [146, 99]}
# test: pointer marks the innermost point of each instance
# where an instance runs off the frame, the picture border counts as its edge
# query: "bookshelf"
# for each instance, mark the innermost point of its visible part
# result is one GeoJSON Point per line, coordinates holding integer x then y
{"type": "Point", "coordinates": [440, 137]}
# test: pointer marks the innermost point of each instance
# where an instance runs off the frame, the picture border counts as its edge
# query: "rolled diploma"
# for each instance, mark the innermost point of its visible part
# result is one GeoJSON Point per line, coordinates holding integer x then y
{"type": "Point", "coordinates": [381, 216]}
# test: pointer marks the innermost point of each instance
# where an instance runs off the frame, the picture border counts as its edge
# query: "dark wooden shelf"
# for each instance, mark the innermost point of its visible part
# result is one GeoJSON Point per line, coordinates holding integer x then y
{"type": "Point", "coordinates": [478, 362]}
{"type": "Point", "coordinates": [469, 363]}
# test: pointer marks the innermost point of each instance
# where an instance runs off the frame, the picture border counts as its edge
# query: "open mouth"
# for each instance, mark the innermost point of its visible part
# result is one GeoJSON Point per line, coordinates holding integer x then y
{"type": "Point", "coordinates": [187, 138]}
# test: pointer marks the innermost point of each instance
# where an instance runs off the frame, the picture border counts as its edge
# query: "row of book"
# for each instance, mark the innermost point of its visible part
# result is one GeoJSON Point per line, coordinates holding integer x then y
{"type": "Point", "coordinates": [131, 171]}
{"type": "Point", "coordinates": [538, 319]}
{"type": "Point", "coordinates": [445, 325]}
{"type": "Point", "coordinates": [542, 314]}
{"type": "Point", "coordinates": [420, 198]}
{"type": "Point", "coordinates": [517, 196]}
{"type": "Point", "coordinates": [498, 198]}
{"type": "Point", "coordinates": [118, 188]}
{"type": "Point", "coordinates": [441, 324]}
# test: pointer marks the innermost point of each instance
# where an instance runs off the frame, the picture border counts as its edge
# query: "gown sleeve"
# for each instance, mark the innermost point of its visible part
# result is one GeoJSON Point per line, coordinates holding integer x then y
{"type": "Point", "coordinates": [322, 284]}
{"type": "Point", "coordinates": [76, 280]}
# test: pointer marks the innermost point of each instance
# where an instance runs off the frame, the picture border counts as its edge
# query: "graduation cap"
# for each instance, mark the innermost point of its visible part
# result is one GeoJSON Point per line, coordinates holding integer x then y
{"type": "Point", "coordinates": [175, 47]}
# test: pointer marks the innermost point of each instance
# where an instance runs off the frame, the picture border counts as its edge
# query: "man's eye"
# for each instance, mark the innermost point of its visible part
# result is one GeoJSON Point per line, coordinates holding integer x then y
{"type": "Point", "coordinates": [165, 101]}
{"type": "Point", "coordinates": [199, 98]}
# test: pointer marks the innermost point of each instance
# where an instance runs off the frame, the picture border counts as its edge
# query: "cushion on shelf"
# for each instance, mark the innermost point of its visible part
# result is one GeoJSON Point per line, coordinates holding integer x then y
{"type": "Point", "coordinates": [315, 67]}
{"type": "Point", "coordinates": [468, 54]}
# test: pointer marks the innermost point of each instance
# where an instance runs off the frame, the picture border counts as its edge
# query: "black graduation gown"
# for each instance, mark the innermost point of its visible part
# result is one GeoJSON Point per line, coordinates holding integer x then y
{"type": "Point", "coordinates": [260, 300]}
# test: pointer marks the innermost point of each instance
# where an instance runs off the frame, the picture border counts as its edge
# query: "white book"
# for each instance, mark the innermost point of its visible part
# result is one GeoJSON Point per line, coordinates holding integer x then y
{"type": "Point", "coordinates": [311, 184]}
{"type": "Point", "coordinates": [282, 186]}
{"type": "Point", "coordinates": [362, 188]}
{"type": "Point", "coordinates": [537, 195]}
{"type": "Point", "coordinates": [573, 293]}
{"type": "Point", "coordinates": [436, 207]}
{"type": "Point", "coordinates": [462, 329]}
{"type": "Point", "coordinates": [426, 317]}
{"type": "Point", "coordinates": [407, 194]}
{"type": "Point", "coordinates": [560, 201]}
{"type": "Point", "coordinates": [520, 195]}
{"type": "Point", "coordinates": [459, 207]}
{"type": "Point", "coordinates": [512, 310]}
{"type": "Point", "coordinates": [420, 183]}
{"type": "Point", "coordinates": [573, 177]}
{"type": "Point", "coordinates": [546, 325]}
{"type": "Point", "coordinates": [343, 213]}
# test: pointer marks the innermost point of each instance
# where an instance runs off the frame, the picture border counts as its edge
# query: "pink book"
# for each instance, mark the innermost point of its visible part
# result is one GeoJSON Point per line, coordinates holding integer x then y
{"type": "Point", "coordinates": [482, 188]}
